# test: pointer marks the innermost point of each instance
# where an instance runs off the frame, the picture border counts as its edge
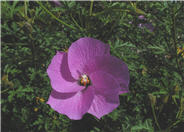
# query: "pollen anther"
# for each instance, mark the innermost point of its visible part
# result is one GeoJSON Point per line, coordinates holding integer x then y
{"type": "Point", "coordinates": [84, 80]}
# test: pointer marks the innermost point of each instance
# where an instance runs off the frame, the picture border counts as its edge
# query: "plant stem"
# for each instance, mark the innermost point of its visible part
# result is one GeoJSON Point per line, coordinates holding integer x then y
{"type": "Point", "coordinates": [110, 10]}
{"type": "Point", "coordinates": [25, 7]}
{"type": "Point", "coordinates": [76, 23]}
{"type": "Point", "coordinates": [91, 8]}
{"type": "Point", "coordinates": [175, 44]}
{"type": "Point", "coordinates": [4, 90]}
{"type": "Point", "coordinates": [32, 51]}
{"type": "Point", "coordinates": [178, 66]}
{"type": "Point", "coordinates": [173, 124]}
{"type": "Point", "coordinates": [59, 20]}
{"type": "Point", "coordinates": [155, 118]}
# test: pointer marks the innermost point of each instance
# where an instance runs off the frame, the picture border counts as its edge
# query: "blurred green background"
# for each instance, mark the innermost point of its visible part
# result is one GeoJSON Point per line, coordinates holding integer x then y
{"type": "Point", "coordinates": [147, 36]}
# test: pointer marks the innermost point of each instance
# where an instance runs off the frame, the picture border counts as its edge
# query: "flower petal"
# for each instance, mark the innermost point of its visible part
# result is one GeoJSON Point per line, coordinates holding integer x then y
{"type": "Point", "coordinates": [112, 65]}
{"type": "Point", "coordinates": [106, 97]}
{"type": "Point", "coordinates": [60, 76]}
{"type": "Point", "coordinates": [82, 50]}
{"type": "Point", "coordinates": [57, 2]}
{"type": "Point", "coordinates": [74, 105]}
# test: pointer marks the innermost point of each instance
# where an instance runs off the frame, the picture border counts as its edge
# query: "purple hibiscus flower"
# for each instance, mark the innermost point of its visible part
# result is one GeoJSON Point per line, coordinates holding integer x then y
{"type": "Point", "coordinates": [57, 2]}
{"type": "Point", "coordinates": [149, 26]}
{"type": "Point", "coordinates": [86, 79]}
{"type": "Point", "coordinates": [141, 17]}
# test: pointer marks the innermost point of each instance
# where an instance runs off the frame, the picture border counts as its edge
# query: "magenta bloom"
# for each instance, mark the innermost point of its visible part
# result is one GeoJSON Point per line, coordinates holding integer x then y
{"type": "Point", "coordinates": [141, 17]}
{"type": "Point", "coordinates": [57, 2]}
{"type": "Point", "coordinates": [149, 26]}
{"type": "Point", "coordinates": [86, 79]}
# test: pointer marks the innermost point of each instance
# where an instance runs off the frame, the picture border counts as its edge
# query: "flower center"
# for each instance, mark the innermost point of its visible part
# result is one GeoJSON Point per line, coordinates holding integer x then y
{"type": "Point", "coordinates": [84, 80]}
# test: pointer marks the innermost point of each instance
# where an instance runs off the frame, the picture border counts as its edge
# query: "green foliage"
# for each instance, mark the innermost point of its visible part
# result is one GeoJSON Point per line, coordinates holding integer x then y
{"type": "Point", "coordinates": [32, 32]}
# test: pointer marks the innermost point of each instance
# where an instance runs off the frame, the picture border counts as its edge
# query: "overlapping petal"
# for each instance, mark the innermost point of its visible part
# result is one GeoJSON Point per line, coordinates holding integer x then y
{"type": "Point", "coordinates": [82, 50]}
{"type": "Point", "coordinates": [112, 65]}
{"type": "Point", "coordinates": [60, 76]}
{"type": "Point", "coordinates": [106, 97]}
{"type": "Point", "coordinates": [74, 105]}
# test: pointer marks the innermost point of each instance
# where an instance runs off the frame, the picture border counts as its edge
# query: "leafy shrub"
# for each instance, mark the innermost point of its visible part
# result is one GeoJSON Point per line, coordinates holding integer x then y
{"type": "Point", "coordinates": [32, 32]}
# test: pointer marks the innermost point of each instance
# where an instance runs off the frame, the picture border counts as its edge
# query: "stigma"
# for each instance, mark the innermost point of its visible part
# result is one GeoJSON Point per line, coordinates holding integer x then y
{"type": "Point", "coordinates": [84, 80]}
